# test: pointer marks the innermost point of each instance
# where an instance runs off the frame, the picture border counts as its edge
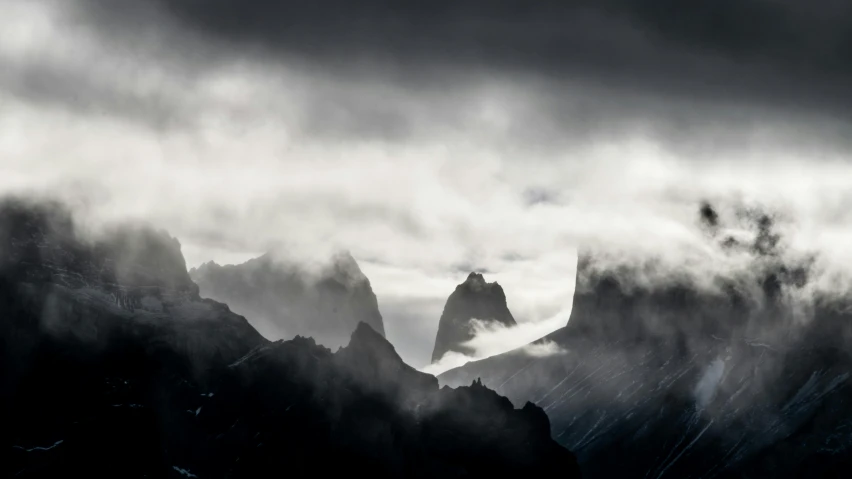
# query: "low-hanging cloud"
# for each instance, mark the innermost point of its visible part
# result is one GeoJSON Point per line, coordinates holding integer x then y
{"type": "Point", "coordinates": [491, 338]}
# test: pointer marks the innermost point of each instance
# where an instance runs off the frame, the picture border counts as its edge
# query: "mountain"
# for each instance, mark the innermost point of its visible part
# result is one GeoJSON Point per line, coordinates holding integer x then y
{"type": "Point", "coordinates": [473, 299]}
{"type": "Point", "coordinates": [113, 366]}
{"type": "Point", "coordinates": [284, 299]}
{"type": "Point", "coordinates": [677, 379]}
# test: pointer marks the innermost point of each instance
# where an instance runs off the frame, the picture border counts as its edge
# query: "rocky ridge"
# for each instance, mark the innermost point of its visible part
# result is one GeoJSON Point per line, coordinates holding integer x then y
{"type": "Point", "coordinates": [284, 299]}
{"type": "Point", "coordinates": [112, 365]}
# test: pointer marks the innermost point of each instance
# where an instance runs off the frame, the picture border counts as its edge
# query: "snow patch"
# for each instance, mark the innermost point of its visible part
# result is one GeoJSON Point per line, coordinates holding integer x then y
{"type": "Point", "coordinates": [183, 472]}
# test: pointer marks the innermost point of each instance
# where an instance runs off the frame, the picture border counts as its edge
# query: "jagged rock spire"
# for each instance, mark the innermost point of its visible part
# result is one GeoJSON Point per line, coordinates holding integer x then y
{"type": "Point", "coordinates": [473, 299]}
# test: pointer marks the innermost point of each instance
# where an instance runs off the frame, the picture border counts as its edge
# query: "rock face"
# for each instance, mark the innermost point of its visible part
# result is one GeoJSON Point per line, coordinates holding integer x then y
{"type": "Point", "coordinates": [473, 299]}
{"type": "Point", "coordinates": [673, 380]}
{"type": "Point", "coordinates": [132, 281]}
{"type": "Point", "coordinates": [284, 300]}
{"type": "Point", "coordinates": [112, 366]}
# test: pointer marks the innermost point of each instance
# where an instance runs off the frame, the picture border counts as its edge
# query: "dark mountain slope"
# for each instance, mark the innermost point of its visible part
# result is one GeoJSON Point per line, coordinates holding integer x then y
{"type": "Point", "coordinates": [284, 299]}
{"type": "Point", "coordinates": [112, 366]}
{"type": "Point", "coordinates": [473, 299]}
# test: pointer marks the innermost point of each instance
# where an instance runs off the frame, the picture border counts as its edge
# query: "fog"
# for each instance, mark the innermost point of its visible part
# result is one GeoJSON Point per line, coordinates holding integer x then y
{"type": "Point", "coordinates": [424, 174]}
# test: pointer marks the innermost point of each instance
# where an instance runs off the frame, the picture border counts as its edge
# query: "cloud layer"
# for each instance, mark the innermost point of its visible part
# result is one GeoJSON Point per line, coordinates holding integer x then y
{"type": "Point", "coordinates": [491, 339]}
{"type": "Point", "coordinates": [472, 136]}
{"type": "Point", "coordinates": [760, 51]}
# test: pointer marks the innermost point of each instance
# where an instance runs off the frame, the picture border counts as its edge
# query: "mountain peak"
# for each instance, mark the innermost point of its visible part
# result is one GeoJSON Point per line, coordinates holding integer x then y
{"type": "Point", "coordinates": [345, 268]}
{"type": "Point", "coordinates": [42, 240]}
{"type": "Point", "coordinates": [374, 363]}
{"type": "Point", "coordinates": [475, 277]}
{"type": "Point", "coordinates": [284, 298]}
{"type": "Point", "coordinates": [366, 338]}
{"type": "Point", "coordinates": [477, 281]}
{"type": "Point", "coordinates": [474, 299]}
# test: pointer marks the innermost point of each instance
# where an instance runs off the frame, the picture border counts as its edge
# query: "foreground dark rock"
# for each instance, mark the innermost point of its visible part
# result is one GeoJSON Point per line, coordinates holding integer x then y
{"type": "Point", "coordinates": [363, 409]}
{"type": "Point", "coordinates": [113, 366]}
{"type": "Point", "coordinates": [283, 300]}
{"type": "Point", "coordinates": [672, 380]}
{"type": "Point", "coordinates": [473, 299]}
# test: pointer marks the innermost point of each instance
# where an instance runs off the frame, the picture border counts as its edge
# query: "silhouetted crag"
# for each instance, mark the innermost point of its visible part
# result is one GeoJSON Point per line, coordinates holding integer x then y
{"type": "Point", "coordinates": [669, 379]}
{"type": "Point", "coordinates": [112, 366]}
{"type": "Point", "coordinates": [284, 300]}
{"type": "Point", "coordinates": [473, 299]}
{"type": "Point", "coordinates": [362, 409]}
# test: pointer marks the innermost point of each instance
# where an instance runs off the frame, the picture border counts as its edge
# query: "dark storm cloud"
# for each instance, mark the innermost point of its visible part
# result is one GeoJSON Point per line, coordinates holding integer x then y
{"type": "Point", "coordinates": [795, 53]}
{"type": "Point", "coordinates": [57, 87]}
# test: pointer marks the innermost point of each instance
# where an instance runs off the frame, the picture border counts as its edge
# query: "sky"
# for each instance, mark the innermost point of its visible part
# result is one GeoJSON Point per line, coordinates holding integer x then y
{"type": "Point", "coordinates": [432, 139]}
